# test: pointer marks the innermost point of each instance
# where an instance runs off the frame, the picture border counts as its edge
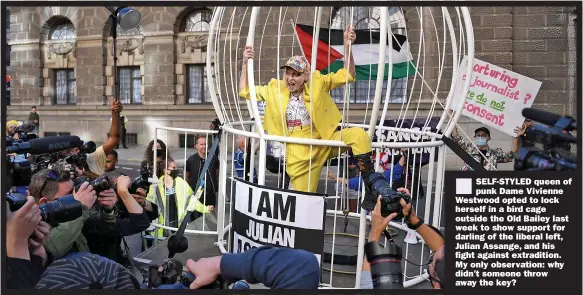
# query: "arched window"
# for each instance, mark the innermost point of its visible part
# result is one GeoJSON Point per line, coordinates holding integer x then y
{"type": "Point", "coordinates": [63, 29]}
{"type": "Point", "coordinates": [368, 18]}
{"type": "Point", "coordinates": [197, 92]}
{"type": "Point", "coordinates": [132, 32]}
{"type": "Point", "coordinates": [198, 20]}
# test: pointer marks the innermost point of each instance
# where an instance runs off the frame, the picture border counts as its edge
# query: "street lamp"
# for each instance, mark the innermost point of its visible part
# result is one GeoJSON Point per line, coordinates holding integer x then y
{"type": "Point", "coordinates": [128, 19]}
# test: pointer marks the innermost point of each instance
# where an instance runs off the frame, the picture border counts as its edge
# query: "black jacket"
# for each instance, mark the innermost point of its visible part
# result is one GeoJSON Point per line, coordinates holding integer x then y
{"type": "Point", "coordinates": [105, 238]}
{"type": "Point", "coordinates": [194, 167]}
{"type": "Point", "coordinates": [24, 274]}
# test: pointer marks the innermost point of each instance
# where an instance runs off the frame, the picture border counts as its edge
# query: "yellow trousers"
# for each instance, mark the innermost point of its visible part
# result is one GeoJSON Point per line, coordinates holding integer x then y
{"type": "Point", "coordinates": [304, 163]}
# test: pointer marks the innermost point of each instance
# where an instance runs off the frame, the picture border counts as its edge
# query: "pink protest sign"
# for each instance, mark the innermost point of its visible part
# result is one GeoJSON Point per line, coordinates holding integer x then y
{"type": "Point", "coordinates": [496, 96]}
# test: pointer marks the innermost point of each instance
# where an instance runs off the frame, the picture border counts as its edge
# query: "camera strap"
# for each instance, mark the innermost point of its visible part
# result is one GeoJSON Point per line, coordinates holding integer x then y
{"type": "Point", "coordinates": [132, 263]}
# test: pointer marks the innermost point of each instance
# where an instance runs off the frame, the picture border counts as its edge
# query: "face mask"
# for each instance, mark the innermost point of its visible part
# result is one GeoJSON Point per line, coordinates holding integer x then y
{"type": "Point", "coordinates": [173, 173]}
{"type": "Point", "coordinates": [481, 141]}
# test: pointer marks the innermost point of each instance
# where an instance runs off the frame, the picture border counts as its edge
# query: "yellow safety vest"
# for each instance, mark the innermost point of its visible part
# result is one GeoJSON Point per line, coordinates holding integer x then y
{"type": "Point", "coordinates": [183, 195]}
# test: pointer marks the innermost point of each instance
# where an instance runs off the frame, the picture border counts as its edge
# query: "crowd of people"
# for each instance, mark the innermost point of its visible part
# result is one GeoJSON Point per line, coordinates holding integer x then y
{"type": "Point", "coordinates": [113, 206]}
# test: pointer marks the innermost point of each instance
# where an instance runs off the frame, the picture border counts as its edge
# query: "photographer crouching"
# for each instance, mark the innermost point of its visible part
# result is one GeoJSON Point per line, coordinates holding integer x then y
{"type": "Point", "coordinates": [123, 216]}
{"type": "Point", "coordinates": [382, 265]}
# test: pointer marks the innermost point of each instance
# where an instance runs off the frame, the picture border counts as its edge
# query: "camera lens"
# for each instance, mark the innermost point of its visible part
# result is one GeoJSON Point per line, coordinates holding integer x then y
{"type": "Point", "coordinates": [63, 209]}
{"type": "Point", "coordinates": [385, 264]}
{"type": "Point", "coordinates": [100, 184]}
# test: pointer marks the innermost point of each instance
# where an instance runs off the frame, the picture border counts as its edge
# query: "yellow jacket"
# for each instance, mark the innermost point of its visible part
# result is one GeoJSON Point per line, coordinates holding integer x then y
{"type": "Point", "coordinates": [184, 194]}
{"type": "Point", "coordinates": [276, 95]}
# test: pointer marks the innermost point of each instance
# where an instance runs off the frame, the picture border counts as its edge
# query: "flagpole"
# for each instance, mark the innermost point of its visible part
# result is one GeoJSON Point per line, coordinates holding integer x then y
{"type": "Point", "coordinates": [298, 37]}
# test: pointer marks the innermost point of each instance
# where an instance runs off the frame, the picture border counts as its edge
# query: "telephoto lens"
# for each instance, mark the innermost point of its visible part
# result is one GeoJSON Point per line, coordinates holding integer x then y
{"type": "Point", "coordinates": [385, 265]}
{"type": "Point", "coordinates": [61, 210]}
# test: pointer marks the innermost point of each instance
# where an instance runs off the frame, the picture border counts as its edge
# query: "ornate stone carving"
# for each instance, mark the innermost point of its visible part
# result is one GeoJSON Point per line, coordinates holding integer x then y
{"type": "Point", "coordinates": [128, 44]}
{"type": "Point", "coordinates": [60, 48]}
{"type": "Point", "coordinates": [193, 42]}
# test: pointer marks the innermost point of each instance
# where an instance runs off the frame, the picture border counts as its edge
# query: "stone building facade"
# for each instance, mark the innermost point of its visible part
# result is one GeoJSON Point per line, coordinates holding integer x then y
{"type": "Point", "coordinates": [61, 61]}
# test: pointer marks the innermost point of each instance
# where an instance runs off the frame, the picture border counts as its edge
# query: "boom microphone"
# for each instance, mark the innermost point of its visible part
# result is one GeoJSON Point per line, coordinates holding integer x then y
{"type": "Point", "coordinates": [549, 119]}
{"type": "Point", "coordinates": [45, 145]}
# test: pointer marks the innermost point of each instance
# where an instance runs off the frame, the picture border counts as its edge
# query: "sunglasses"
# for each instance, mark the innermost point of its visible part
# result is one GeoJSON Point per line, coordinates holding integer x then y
{"type": "Point", "coordinates": [52, 175]}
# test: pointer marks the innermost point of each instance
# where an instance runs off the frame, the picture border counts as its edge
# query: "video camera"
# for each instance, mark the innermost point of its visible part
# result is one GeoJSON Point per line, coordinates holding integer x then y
{"type": "Point", "coordinates": [24, 130]}
{"type": "Point", "coordinates": [556, 141]}
{"type": "Point", "coordinates": [62, 209]}
{"type": "Point", "coordinates": [20, 168]}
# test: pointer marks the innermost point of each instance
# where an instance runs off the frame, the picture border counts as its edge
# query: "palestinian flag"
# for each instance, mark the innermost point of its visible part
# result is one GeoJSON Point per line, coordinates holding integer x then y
{"type": "Point", "coordinates": [365, 50]}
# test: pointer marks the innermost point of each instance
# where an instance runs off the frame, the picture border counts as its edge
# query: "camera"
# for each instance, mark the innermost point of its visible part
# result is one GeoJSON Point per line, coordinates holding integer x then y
{"type": "Point", "coordinates": [556, 141]}
{"type": "Point", "coordinates": [99, 184]}
{"type": "Point", "coordinates": [391, 203]}
{"type": "Point", "coordinates": [385, 265]}
{"type": "Point", "coordinates": [172, 272]}
{"type": "Point", "coordinates": [62, 209]}
{"type": "Point", "coordinates": [141, 181]}
{"type": "Point", "coordinates": [24, 130]}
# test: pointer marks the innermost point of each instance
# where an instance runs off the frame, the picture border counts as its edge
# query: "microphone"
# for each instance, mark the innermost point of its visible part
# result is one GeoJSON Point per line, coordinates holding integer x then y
{"type": "Point", "coordinates": [549, 119]}
{"type": "Point", "coordinates": [45, 145]}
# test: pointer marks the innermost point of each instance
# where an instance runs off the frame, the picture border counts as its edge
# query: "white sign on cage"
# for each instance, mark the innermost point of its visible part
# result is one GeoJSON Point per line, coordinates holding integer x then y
{"type": "Point", "coordinates": [266, 216]}
{"type": "Point", "coordinates": [496, 96]}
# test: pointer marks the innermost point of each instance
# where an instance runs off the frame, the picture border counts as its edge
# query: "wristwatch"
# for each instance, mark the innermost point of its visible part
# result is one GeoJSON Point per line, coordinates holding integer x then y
{"type": "Point", "coordinates": [416, 225]}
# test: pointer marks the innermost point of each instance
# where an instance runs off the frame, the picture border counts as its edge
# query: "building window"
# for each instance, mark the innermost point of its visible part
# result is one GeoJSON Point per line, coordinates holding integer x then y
{"type": "Point", "coordinates": [198, 21]}
{"type": "Point", "coordinates": [368, 18]}
{"type": "Point", "coordinates": [132, 138]}
{"type": "Point", "coordinates": [196, 86]}
{"type": "Point", "coordinates": [62, 30]}
{"type": "Point", "coordinates": [65, 84]}
{"type": "Point", "coordinates": [130, 85]}
{"type": "Point", "coordinates": [189, 140]}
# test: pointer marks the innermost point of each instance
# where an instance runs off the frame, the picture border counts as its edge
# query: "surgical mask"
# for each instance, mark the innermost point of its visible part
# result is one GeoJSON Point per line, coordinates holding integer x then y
{"type": "Point", "coordinates": [173, 174]}
{"type": "Point", "coordinates": [481, 141]}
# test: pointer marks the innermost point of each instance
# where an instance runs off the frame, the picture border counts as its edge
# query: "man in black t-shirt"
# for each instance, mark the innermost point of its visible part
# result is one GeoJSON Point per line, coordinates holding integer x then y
{"type": "Point", "coordinates": [194, 165]}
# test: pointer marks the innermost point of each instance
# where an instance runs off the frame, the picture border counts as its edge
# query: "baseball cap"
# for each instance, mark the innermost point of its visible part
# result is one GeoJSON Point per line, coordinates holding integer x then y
{"type": "Point", "coordinates": [298, 63]}
{"type": "Point", "coordinates": [483, 129]}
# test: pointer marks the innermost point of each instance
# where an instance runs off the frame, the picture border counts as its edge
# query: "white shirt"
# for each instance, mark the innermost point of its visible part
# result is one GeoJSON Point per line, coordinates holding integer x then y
{"type": "Point", "coordinates": [297, 115]}
{"type": "Point", "coordinates": [96, 161]}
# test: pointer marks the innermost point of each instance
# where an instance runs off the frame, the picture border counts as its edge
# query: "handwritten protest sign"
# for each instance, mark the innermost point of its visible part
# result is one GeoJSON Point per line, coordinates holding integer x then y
{"type": "Point", "coordinates": [496, 96]}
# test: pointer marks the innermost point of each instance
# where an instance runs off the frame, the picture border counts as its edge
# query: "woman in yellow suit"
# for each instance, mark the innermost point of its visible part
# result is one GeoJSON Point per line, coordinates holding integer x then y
{"type": "Point", "coordinates": [308, 111]}
{"type": "Point", "coordinates": [174, 198]}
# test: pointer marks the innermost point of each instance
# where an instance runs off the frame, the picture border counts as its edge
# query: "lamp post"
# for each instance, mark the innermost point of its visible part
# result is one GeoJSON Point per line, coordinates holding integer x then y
{"type": "Point", "coordinates": [128, 19]}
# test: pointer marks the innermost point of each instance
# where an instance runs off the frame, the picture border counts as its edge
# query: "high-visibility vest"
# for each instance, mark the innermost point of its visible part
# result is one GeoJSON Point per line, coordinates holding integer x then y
{"type": "Point", "coordinates": [183, 194]}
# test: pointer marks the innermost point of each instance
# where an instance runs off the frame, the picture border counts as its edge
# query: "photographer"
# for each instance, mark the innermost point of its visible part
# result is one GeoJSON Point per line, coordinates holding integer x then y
{"type": "Point", "coordinates": [48, 185]}
{"type": "Point", "coordinates": [96, 161]}
{"type": "Point", "coordinates": [11, 133]}
{"type": "Point", "coordinates": [105, 236]}
{"type": "Point", "coordinates": [431, 235]}
{"type": "Point", "coordinates": [26, 257]}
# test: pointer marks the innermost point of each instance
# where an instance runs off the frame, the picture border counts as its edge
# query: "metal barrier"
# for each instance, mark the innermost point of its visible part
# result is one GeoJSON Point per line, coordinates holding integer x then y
{"type": "Point", "coordinates": [155, 181]}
